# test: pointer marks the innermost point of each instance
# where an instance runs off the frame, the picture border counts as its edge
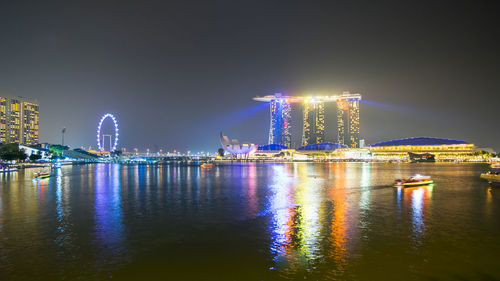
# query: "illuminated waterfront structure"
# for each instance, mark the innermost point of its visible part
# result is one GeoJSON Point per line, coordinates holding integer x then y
{"type": "Point", "coordinates": [325, 146]}
{"type": "Point", "coordinates": [279, 130]}
{"type": "Point", "coordinates": [235, 148]}
{"type": "Point", "coordinates": [19, 120]}
{"type": "Point", "coordinates": [314, 118]}
{"type": "Point", "coordinates": [314, 122]}
{"type": "Point", "coordinates": [348, 121]}
{"type": "Point", "coordinates": [442, 149]}
{"type": "Point", "coordinates": [422, 144]}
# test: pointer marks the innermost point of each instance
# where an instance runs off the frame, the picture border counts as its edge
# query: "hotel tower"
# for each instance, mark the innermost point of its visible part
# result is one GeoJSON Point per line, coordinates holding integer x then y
{"type": "Point", "coordinates": [19, 120]}
{"type": "Point", "coordinates": [314, 118]}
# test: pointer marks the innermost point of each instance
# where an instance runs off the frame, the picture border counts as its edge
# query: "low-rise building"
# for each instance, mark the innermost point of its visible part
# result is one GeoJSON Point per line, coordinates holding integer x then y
{"type": "Point", "coordinates": [442, 149]}
{"type": "Point", "coordinates": [30, 150]}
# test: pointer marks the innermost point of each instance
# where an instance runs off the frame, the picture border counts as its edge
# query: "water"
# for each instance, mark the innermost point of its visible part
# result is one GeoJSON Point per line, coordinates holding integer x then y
{"type": "Point", "coordinates": [250, 221]}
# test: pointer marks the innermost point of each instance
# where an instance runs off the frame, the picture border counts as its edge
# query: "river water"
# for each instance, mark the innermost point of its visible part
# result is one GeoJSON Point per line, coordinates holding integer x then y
{"type": "Point", "coordinates": [333, 221]}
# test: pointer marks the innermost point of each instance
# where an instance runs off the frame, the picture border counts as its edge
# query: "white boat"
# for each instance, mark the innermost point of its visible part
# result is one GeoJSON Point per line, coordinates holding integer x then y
{"type": "Point", "coordinates": [8, 170]}
{"type": "Point", "coordinates": [41, 175]}
{"type": "Point", "coordinates": [491, 177]}
{"type": "Point", "coordinates": [495, 165]}
{"type": "Point", "coordinates": [416, 180]}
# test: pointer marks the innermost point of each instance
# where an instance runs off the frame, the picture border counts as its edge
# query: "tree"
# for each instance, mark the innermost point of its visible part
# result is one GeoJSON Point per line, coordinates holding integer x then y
{"type": "Point", "coordinates": [221, 152]}
{"type": "Point", "coordinates": [57, 149]}
{"type": "Point", "coordinates": [37, 156]}
{"type": "Point", "coordinates": [11, 151]}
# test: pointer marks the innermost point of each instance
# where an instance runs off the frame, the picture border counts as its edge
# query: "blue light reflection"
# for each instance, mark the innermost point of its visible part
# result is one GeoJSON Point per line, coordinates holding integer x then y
{"type": "Point", "coordinates": [109, 227]}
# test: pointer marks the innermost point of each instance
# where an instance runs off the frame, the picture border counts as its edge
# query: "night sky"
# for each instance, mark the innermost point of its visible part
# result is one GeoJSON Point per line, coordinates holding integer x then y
{"type": "Point", "coordinates": [176, 73]}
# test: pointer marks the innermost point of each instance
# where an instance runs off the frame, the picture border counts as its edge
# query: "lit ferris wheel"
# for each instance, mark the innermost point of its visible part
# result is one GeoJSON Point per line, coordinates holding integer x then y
{"type": "Point", "coordinates": [101, 137]}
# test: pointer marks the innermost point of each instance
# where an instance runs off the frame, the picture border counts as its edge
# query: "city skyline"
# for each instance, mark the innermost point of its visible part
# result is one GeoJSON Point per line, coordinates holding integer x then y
{"type": "Point", "coordinates": [249, 140]}
{"type": "Point", "coordinates": [177, 74]}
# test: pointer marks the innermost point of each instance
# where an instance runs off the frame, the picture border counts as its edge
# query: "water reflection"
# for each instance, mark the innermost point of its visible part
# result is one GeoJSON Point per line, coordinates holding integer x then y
{"type": "Point", "coordinates": [299, 207]}
{"type": "Point", "coordinates": [1, 206]}
{"type": "Point", "coordinates": [337, 251]}
{"type": "Point", "coordinates": [321, 211]}
{"type": "Point", "coordinates": [109, 227]}
{"type": "Point", "coordinates": [304, 221]}
{"type": "Point", "coordinates": [364, 202]}
{"type": "Point", "coordinates": [63, 210]}
{"type": "Point", "coordinates": [252, 188]}
{"type": "Point", "coordinates": [308, 196]}
{"type": "Point", "coordinates": [419, 199]}
{"type": "Point", "coordinates": [282, 212]}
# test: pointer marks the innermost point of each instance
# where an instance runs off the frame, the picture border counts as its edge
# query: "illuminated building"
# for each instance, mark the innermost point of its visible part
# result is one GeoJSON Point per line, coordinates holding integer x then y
{"type": "Point", "coordinates": [279, 131]}
{"type": "Point", "coordinates": [3, 119]}
{"type": "Point", "coordinates": [348, 121]}
{"type": "Point", "coordinates": [314, 118]}
{"type": "Point", "coordinates": [314, 122]}
{"type": "Point", "coordinates": [19, 120]}
{"type": "Point", "coordinates": [422, 144]}
{"type": "Point", "coordinates": [235, 148]}
{"type": "Point", "coordinates": [322, 146]}
{"type": "Point", "coordinates": [442, 149]}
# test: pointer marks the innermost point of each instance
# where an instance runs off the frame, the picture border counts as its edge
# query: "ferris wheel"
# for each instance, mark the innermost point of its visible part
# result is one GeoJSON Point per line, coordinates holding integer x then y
{"type": "Point", "coordinates": [101, 137]}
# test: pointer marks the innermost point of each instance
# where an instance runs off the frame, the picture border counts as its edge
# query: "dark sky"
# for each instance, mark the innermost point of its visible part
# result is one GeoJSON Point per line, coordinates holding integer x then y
{"type": "Point", "coordinates": [175, 73]}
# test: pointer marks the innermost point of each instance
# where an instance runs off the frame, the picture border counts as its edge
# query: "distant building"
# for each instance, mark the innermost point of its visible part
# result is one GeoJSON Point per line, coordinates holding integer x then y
{"type": "Point", "coordinates": [314, 122]}
{"type": "Point", "coordinates": [19, 120]}
{"type": "Point", "coordinates": [235, 148]}
{"type": "Point", "coordinates": [442, 149]}
{"type": "Point", "coordinates": [324, 146]}
{"type": "Point", "coordinates": [30, 150]}
{"type": "Point", "coordinates": [362, 144]}
{"type": "Point", "coordinates": [348, 121]}
{"type": "Point", "coordinates": [314, 118]}
{"type": "Point", "coordinates": [279, 131]}
{"type": "Point", "coordinates": [422, 145]}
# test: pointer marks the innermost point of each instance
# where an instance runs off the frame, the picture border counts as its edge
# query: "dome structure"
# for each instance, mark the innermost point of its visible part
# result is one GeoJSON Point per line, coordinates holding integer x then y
{"type": "Point", "coordinates": [322, 146]}
{"type": "Point", "coordinates": [272, 147]}
{"type": "Point", "coordinates": [417, 141]}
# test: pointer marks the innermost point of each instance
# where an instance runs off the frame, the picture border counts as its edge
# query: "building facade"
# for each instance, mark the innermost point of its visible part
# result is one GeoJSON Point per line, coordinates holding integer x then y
{"type": "Point", "coordinates": [314, 123]}
{"type": "Point", "coordinates": [19, 120]}
{"type": "Point", "coordinates": [440, 148]}
{"type": "Point", "coordinates": [423, 145]}
{"type": "Point", "coordinates": [314, 118]}
{"type": "Point", "coordinates": [3, 119]}
{"type": "Point", "coordinates": [348, 122]}
{"type": "Point", "coordinates": [279, 131]}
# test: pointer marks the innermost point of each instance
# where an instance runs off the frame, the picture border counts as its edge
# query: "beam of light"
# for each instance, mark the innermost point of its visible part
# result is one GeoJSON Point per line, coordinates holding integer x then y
{"type": "Point", "coordinates": [224, 121]}
{"type": "Point", "coordinates": [237, 116]}
{"type": "Point", "coordinates": [420, 111]}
